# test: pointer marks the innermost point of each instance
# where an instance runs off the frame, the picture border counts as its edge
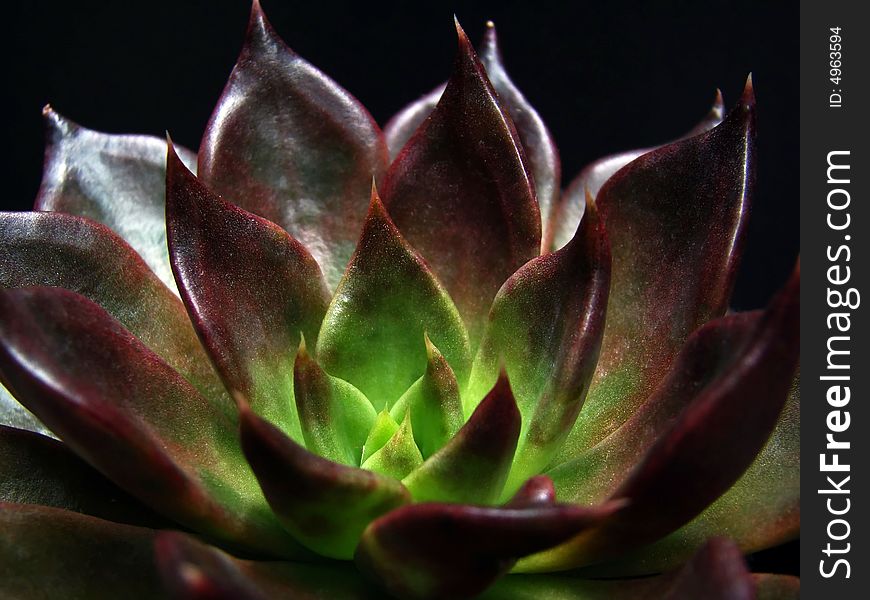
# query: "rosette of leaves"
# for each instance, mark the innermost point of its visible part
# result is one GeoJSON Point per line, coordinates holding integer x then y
{"type": "Point", "coordinates": [340, 363]}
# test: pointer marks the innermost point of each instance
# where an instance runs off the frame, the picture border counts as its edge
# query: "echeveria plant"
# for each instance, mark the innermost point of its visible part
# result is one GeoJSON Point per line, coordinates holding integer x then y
{"type": "Point", "coordinates": [340, 363]}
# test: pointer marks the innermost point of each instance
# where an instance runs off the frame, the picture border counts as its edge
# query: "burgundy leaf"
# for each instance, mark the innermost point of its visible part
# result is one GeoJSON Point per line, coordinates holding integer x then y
{"type": "Point", "coordinates": [461, 192]}
{"type": "Point", "coordinates": [127, 413]}
{"type": "Point", "coordinates": [540, 150]}
{"type": "Point", "coordinates": [716, 572]}
{"type": "Point", "coordinates": [325, 505]}
{"type": "Point", "coordinates": [250, 290]}
{"type": "Point", "coordinates": [456, 551]}
{"type": "Point", "coordinates": [287, 143]}
{"type": "Point", "coordinates": [83, 256]}
{"type": "Point", "coordinates": [192, 570]}
{"type": "Point", "coordinates": [473, 466]}
{"type": "Point", "coordinates": [117, 180]}
{"type": "Point", "coordinates": [568, 210]}
{"type": "Point", "coordinates": [35, 469]}
{"type": "Point", "coordinates": [712, 442]}
{"type": "Point", "coordinates": [537, 491]}
{"type": "Point", "coordinates": [676, 221]}
{"type": "Point", "coordinates": [546, 325]}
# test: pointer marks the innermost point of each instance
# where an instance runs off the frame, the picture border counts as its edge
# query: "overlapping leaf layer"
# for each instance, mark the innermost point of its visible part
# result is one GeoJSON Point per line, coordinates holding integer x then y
{"type": "Point", "coordinates": [441, 368]}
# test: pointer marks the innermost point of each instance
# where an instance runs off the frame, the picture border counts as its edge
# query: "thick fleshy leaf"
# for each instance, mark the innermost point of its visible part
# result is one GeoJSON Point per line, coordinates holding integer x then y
{"type": "Point", "coordinates": [568, 210]}
{"type": "Point", "coordinates": [126, 412]}
{"type": "Point", "coordinates": [716, 572]}
{"type": "Point", "coordinates": [335, 416]}
{"type": "Point", "coordinates": [676, 220]}
{"type": "Point", "coordinates": [118, 180]}
{"type": "Point", "coordinates": [250, 289]}
{"type": "Point", "coordinates": [777, 587]}
{"type": "Point", "coordinates": [383, 429]}
{"type": "Point", "coordinates": [537, 491]}
{"type": "Point", "coordinates": [461, 192]}
{"type": "Point", "coordinates": [399, 456]}
{"type": "Point", "coordinates": [701, 455]}
{"type": "Point", "coordinates": [324, 505]}
{"type": "Point", "coordinates": [372, 335]}
{"type": "Point", "coordinates": [709, 351]}
{"type": "Point", "coordinates": [35, 469]}
{"type": "Point", "coordinates": [546, 325]}
{"type": "Point", "coordinates": [192, 570]}
{"type": "Point", "coordinates": [473, 466]}
{"type": "Point", "coordinates": [760, 511]}
{"type": "Point", "coordinates": [540, 150]}
{"type": "Point", "coordinates": [13, 414]}
{"type": "Point", "coordinates": [48, 553]}
{"type": "Point", "coordinates": [456, 551]}
{"type": "Point", "coordinates": [434, 403]}
{"type": "Point", "coordinates": [287, 143]}
{"type": "Point", "coordinates": [83, 256]}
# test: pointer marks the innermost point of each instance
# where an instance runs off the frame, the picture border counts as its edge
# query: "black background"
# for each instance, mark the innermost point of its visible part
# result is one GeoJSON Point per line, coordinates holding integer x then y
{"type": "Point", "coordinates": [605, 76]}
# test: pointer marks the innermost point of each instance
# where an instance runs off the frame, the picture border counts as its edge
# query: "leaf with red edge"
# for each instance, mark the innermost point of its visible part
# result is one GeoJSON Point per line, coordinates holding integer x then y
{"type": "Point", "coordinates": [760, 511]}
{"type": "Point", "coordinates": [250, 290]}
{"type": "Point", "coordinates": [473, 466]}
{"type": "Point", "coordinates": [288, 144]}
{"type": "Point", "coordinates": [568, 210]}
{"type": "Point", "coordinates": [434, 550]}
{"type": "Point", "coordinates": [434, 403]}
{"type": "Point", "coordinates": [461, 192]}
{"type": "Point", "coordinates": [546, 325]}
{"type": "Point", "coordinates": [35, 469]}
{"type": "Point", "coordinates": [325, 505]}
{"type": "Point", "coordinates": [709, 446]}
{"type": "Point", "coordinates": [83, 256]}
{"type": "Point", "coordinates": [117, 180]}
{"type": "Point", "coordinates": [336, 418]}
{"type": "Point", "coordinates": [192, 570]}
{"type": "Point", "coordinates": [676, 222]}
{"type": "Point", "coordinates": [372, 335]}
{"type": "Point", "coordinates": [127, 413]}
{"type": "Point", "coordinates": [538, 144]}
{"type": "Point", "coordinates": [717, 572]}
{"type": "Point", "coordinates": [48, 553]}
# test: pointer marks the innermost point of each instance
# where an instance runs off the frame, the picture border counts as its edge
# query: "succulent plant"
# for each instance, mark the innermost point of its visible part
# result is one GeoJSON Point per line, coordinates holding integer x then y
{"type": "Point", "coordinates": [340, 363]}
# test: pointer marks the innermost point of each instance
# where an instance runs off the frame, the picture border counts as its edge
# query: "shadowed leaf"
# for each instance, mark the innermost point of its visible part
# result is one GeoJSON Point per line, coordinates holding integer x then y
{"type": "Point", "coordinates": [288, 144]}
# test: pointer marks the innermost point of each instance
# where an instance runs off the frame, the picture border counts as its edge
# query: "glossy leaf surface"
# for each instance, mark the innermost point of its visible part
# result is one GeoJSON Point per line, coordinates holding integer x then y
{"type": "Point", "coordinates": [546, 325]}
{"type": "Point", "coordinates": [461, 192]}
{"type": "Point", "coordinates": [687, 468]}
{"type": "Point", "coordinates": [250, 290]}
{"type": "Point", "coordinates": [372, 335]}
{"type": "Point", "coordinates": [83, 256]}
{"type": "Point", "coordinates": [131, 416]}
{"type": "Point", "coordinates": [324, 505]}
{"type": "Point", "coordinates": [335, 416]}
{"type": "Point", "coordinates": [434, 403]}
{"type": "Point", "coordinates": [456, 551]}
{"type": "Point", "coordinates": [288, 144]}
{"type": "Point", "coordinates": [676, 221]}
{"type": "Point", "coordinates": [473, 466]}
{"type": "Point", "coordinates": [117, 180]}
{"type": "Point", "coordinates": [568, 210]}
